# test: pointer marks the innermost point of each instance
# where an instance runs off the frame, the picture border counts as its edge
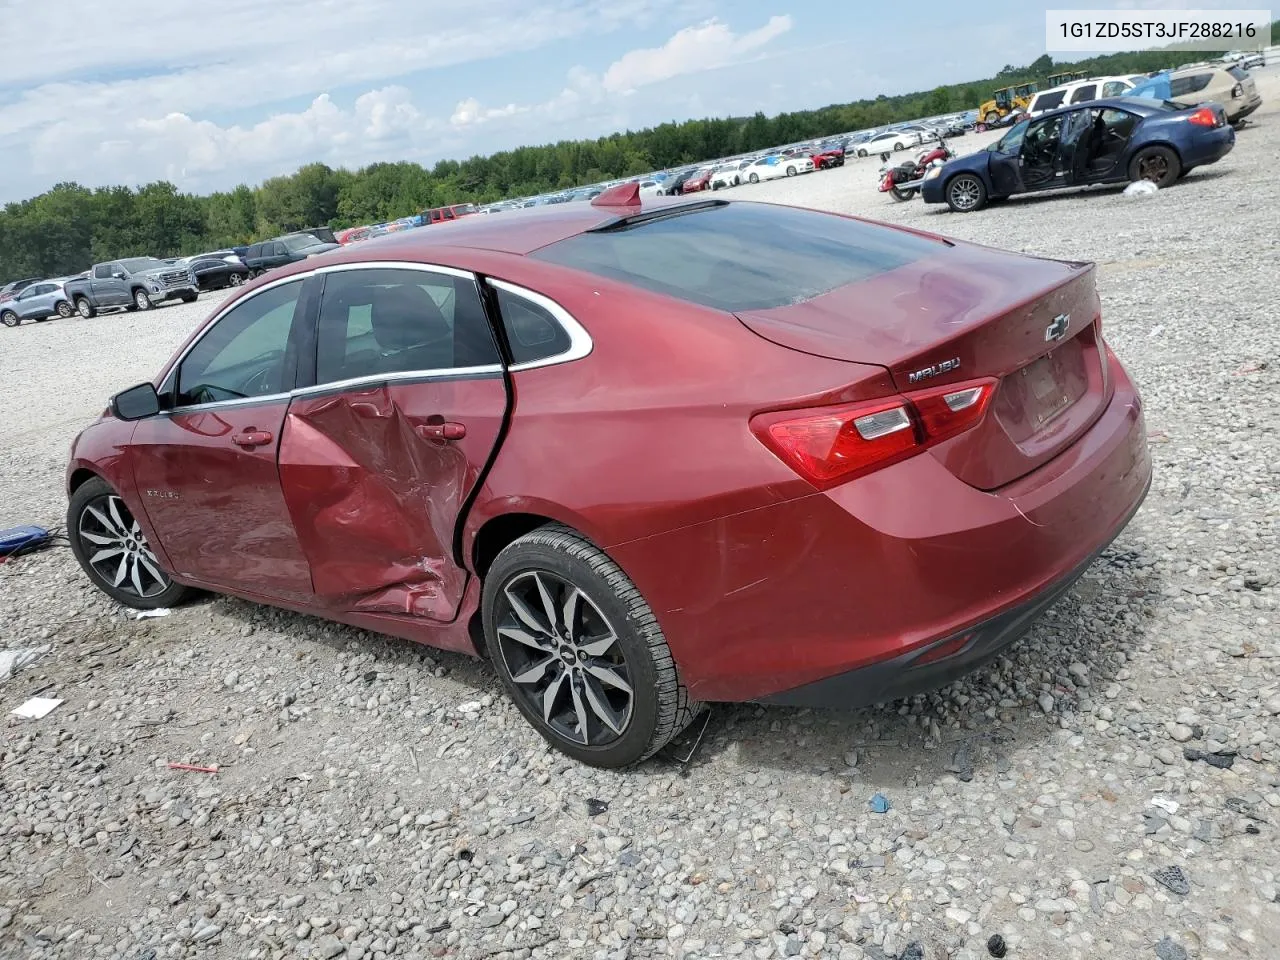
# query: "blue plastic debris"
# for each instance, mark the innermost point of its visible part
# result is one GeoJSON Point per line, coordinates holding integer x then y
{"type": "Point", "coordinates": [879, 803]}
{"type": "Point", "coordinates": [17, 540]}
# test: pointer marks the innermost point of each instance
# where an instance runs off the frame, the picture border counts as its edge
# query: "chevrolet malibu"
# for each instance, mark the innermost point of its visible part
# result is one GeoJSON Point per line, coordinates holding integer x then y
{"type": "Point", "coordinates": [640, 454]}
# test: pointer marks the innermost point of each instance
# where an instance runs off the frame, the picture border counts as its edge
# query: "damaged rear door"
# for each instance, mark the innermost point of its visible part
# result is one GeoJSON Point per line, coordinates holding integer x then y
{"type": "Point", "coordinates": [380, 455]}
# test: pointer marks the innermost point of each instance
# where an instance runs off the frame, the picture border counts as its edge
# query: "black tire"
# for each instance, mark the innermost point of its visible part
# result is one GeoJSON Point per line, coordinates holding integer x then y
{"type": "Point", "coordinates": [97, 519]}
{"type": "Point", "coordinates": [992, 118]}
{"type": "Point", "coordinates": [65, 309]}
{"type": "Point", "coordinates": [9, 318]}
{"type": "Point", "coordinates": [1160, 165]}
{"type": "Point", "coordinates": [190, 297]}
{"type": "Point", "coordinates": [234, 279]}
{"type": "Point", "coordinates": [754, 178]}
{"type": "Point", "coordinates": [140, 299]}
{"type": "Point", "coordinates": [898, 145]}
{"type": "Point", "coordinates": [86, 309]}
{"type": "Point", "coordinates": [902, 195]}
{"type": "Point", "coordinates": [550, 563]}
{"type": "Point", "coordinates": [965, 193]}
{"type": "Point", "coordinates": [791, 171]}
{"type": "Point", "coordinates": [861, 152]}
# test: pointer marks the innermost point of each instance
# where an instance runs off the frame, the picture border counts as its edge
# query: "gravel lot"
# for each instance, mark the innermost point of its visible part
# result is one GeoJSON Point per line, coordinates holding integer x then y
{"type": "Point", "coordinates": [374, 799]}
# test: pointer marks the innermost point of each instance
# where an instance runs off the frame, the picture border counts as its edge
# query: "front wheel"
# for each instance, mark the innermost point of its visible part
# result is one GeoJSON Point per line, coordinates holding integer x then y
{"type": "Point", "coordinates": [754, 178]}
{"type": "Point", "coordinates": [140, 299]}
{"type": "Point", "coordinates": [966, 193]}
{"type": "Point", "coordinates": [1160, 165]}
{"type": "Point", "coordinates": [189, 297]}
{"type": "Point", "coordinates": [85, 308]}
{"type": "Point", "coordinates": [9, 318]}
{"type": "Point", "coordinates": [992, 118]}
{"type": "Point", "coordinates": [64, 309]}
{"type": "Point", "coordinates": [791, 171]}
{"type": "Point", "coordinates": [113, 550]}
{"type": "Point", "coordinates": [580, 652]}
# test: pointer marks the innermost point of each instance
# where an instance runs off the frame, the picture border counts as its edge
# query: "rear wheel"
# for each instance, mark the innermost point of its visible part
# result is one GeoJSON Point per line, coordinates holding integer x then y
{"type": "Point", "coordinates": [140, 299]}
{"type": "Point", "coordinates": [901, 195]}
{"type": "Point", "coordinates": [9, 318]}
{"type": "Point", "coordinates": [580, 652]}
{"type": "Point", "coordinates": [966, 193]}
{"type": "Point", "coordinates": [754, 178]}
{"type": "Point", "coordinates": [791, 171]}
{"type": "Point", "coordinates": [1160, 165]}
{"type": "Point", "coordinates": [64, 309]}
{"type": "Point", "coordinates": [235, 279]}
{"type": "Point", "coordinates": [85, 308]}
{"type": "Point", "coordinates": [113, 550]}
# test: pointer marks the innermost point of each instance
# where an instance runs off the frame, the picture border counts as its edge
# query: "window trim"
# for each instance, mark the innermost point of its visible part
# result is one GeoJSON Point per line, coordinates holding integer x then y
{"type": "Point", "coordinates": [580, 342]}
{"type": "Point", "coordinates": [441, 373]}
{"type": "Point", "coordinates": [169, 382]}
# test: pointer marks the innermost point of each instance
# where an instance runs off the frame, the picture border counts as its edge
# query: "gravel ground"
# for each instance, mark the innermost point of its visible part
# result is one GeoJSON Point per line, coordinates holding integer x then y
{"type": "Point", "coordinates": [375, 799]}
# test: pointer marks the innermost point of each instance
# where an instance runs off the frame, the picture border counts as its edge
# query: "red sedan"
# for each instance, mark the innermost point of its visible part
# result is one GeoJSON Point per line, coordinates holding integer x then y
{"type": "Point", "coordinates": [639, 456]}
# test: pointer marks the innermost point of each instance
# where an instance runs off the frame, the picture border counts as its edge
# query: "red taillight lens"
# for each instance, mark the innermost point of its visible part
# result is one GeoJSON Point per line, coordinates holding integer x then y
{"type": "Point", "coordinates": [1204, 117]}
{"type": "Point", "coordinates": [833, 445]}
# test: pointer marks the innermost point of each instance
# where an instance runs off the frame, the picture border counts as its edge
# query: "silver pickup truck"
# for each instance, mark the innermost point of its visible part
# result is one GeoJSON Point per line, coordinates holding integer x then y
{"type": "Point", "coordinates": [135, 283]}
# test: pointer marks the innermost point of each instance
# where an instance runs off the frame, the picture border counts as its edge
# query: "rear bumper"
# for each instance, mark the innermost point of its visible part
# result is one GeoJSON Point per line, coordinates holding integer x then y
{"type": "Point", "coordinates": [872, 574]}
{"type": "Point", "coordinates": [938, 663]}
{"type": "Point", "coordinates": [1210, 148]}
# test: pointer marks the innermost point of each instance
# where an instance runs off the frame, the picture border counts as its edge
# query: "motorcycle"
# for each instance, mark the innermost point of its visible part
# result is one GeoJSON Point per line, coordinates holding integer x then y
{"type": "Point", "coordinates": [902, 182]}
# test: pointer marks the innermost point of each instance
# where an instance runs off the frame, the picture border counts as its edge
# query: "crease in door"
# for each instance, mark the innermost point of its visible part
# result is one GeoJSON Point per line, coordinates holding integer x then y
{"type": "Point", "coordinates": [370, 502]}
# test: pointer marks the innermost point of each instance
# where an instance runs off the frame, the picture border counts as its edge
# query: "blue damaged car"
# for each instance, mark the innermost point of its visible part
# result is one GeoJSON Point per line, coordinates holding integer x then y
{"type": "Point", "coordinates": [1114, 140]}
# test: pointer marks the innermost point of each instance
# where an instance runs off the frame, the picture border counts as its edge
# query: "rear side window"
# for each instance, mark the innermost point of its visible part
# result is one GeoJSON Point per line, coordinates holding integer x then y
{"type": "Point", "coordinates": [1237, 72]}
{"type": "Point", "coordinates": [1181, 86]}
{"type": "Point", "coordinates": [533, 333]}
{"type": "Point", "coordinates": [102, 271]}
{"type": "Point", "coordinates": [1084, 93]}
{"type": "Point", "coordinates": [1047, 101]}
{"type": "Point", "coordinates": [1113, 88]}
{"type": "Point", "coordinates": [740, 256]}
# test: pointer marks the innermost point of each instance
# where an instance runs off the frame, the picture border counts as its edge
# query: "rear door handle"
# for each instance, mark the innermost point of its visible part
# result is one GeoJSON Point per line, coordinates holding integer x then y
{"type": "Point", "coordinates": [251, 438]}
{"type": "Point", "coordinates": [442, 431]}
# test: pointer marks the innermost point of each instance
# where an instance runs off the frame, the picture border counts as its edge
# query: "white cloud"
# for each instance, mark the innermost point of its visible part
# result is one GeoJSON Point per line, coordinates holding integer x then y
{"type": "Point", "coordinates": [470, 112]}
{"type": "Point", "coordinates": [704, 47]}
{"type": "Point", "coordinates": [105, 107]}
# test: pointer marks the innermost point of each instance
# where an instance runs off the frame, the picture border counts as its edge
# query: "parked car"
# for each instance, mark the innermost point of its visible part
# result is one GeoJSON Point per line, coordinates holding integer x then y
{"type": "Point", "coordinates": [135, 283]}
{"type": "Point", "coordinates": [1103, 141]}
{"type": "Point", "coordinates": [445, 214]}
{"type": "Point", "coordinates": [673, 186]}
{"type": "Point", "coordinates": [827, 155]}
{"type": "Point", "coordinates": [270, 254]}
{"type": "Point", "coordinates": [1229, 85]}
{"type": "Point", "coordinates": [615, 593]}
{"type": "Point", "coordinates": [215, 273]}
{"type": "Point", "coordinates": [1080, 91]}
{"type": "Point", "coordinates": [1248, 59]}
{"type": "Point", "coordinates": [701, 180]}
{"type": "Point", "coordinates": [887, 142]}
{"type": "Point", "coordinates": [40, 301]}
{"type": "Point", "coordinates": [773, 167]}
{"type": "Point", "coordinates": [728, 175]}
{"type": "Point", "coordinates": [15, 287]}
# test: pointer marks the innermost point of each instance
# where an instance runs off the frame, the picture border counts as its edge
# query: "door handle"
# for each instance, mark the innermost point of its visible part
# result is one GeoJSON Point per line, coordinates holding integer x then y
{"type": "Point", "coordinates": [251, 438]}
{"type": "Point", "coordinates": [442, 431]}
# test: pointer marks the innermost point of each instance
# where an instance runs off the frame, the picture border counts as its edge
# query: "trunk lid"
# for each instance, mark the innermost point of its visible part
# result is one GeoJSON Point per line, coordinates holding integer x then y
{"type": "Point", "coordinates": [971, 312]}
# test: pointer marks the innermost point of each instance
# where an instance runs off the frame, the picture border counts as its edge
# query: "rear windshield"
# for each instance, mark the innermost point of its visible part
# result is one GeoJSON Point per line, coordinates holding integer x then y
{"type": "Point", "coordinates": [741, 256]}
{"type": "Point", "coordinates": [1237, 72]}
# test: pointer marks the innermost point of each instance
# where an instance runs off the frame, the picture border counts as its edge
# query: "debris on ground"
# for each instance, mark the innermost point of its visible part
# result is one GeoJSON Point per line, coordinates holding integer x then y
{"type": "Point", "coordinates": [1173, 878]}
{"type": "Point", "coordinates": [879, 803]}
{"type": "Point", "coordinates": [11, 661]}
{"type": "Point", "coordinates": [1140, 189]}
{"type": "Point", "coordinates": [37, 708]}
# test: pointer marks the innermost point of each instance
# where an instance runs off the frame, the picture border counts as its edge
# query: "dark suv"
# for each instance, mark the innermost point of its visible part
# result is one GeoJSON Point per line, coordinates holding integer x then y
{"type": "Point", "coordinates": [269, 254]}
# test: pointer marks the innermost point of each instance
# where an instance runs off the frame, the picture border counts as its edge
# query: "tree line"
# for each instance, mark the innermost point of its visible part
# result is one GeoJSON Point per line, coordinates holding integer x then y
{"type": "Point", "coordinates": [69, 227]}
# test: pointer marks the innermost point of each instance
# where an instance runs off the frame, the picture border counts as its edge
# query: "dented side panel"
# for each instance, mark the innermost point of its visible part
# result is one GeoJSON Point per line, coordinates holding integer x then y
{"type": "Point", "coordinates": [375, 500]}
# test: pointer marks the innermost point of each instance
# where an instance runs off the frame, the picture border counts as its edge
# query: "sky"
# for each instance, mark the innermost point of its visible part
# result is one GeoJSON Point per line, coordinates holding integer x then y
{"type": "Point", "coordinates": [210, 95]}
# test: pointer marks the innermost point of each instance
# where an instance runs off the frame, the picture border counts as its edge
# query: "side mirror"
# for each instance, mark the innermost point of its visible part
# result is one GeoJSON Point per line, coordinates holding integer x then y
{"type": "Point", "coordinates": [117, 274]}
{"type": "Point", "coordinates": [136, 403]}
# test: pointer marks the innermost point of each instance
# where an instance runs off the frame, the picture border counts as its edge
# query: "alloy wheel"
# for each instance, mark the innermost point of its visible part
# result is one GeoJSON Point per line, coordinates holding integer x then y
{"type": "Point", "coordinates": [141, 299]}
{"type": "Point", "coordinates": [235, 279]}
{"type": "Point", "coordinates": [117, 549]}
{"type": "Point", "coordinates": [564, 658]}
{"type": "Point", "coordinates": [9, 318]}
{"type": "Point", "coordinates": [64, 309]}
{"type": "Point", "coordinates": [84, 308]}
{"type": "Point", "coordinates": [1154, 168]}
{"type": "Point", "coordinates": [964, 193]}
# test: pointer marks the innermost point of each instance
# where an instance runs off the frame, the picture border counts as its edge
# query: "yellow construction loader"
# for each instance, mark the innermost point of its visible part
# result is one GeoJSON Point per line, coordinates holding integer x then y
{"type": "Point", "coordinates": [1005, 101]}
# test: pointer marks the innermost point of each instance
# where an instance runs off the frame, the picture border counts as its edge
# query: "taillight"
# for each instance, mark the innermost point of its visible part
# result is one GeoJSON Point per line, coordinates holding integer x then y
{"type": "Point", "coordinates": [832, 445]}
{"type": "Point", "coordinates": [1237, 91]}
{"type": "Point", "coordinates": [1204, 117]}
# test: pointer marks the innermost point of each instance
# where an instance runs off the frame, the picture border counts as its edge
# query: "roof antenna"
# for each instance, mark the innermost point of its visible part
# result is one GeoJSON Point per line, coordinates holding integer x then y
{"type": "Point", "coordinates": [623, 195]}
